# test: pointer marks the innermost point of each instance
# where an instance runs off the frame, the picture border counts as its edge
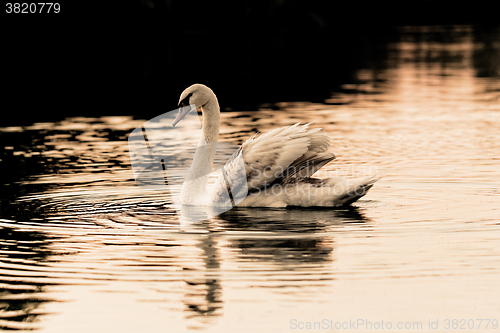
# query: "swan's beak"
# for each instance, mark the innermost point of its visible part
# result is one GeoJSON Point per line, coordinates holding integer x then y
{"type": "Point", "coordinates": [183, 111]}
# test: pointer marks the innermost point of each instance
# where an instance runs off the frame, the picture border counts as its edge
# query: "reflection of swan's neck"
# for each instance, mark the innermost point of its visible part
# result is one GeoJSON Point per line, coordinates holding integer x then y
{"type": "Point", "coordinates": [194, 188]}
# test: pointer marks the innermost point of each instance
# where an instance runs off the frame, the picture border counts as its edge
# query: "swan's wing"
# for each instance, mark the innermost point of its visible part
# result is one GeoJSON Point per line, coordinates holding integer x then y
{"type": "Point", "coordinates": [270, 156]}
{"type": "Point", "coordinates": [281, 155]}
{"type": "Point", "coordinates": [306, 165]}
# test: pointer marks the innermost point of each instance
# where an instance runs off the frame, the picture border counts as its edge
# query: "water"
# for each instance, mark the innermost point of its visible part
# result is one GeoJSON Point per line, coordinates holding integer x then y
{"type": "Point", "coordinates": [83, 249]}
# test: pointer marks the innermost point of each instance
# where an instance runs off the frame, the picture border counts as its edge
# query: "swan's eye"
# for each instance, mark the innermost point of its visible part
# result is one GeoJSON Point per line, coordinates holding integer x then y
{"type": "Point", "coordinates": [185, 101]}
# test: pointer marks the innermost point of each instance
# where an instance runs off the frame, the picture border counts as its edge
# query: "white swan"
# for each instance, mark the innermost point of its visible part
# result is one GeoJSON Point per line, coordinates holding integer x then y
{"type": "Point", "coordinates": [274, 169]}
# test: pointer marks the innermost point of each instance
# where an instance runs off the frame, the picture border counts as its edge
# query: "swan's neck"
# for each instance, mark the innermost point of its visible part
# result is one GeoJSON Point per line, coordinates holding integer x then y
{"type": "Point", "coordinates": [194, 188]}
{"type": "Point", "coordinates": [211, 121]}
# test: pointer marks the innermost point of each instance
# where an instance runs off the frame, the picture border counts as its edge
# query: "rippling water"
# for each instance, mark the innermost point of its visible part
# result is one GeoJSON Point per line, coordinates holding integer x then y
{"type": "Point", "coordinates": [82, 248]}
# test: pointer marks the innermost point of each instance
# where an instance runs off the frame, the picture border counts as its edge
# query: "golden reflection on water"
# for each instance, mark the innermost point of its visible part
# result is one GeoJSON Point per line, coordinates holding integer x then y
{"type": "Point", "coordinates": [94, 252]}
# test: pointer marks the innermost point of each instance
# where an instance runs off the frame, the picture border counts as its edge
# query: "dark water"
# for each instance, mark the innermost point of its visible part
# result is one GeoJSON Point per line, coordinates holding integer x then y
{"type": "Point", "coordinates": [83, 249]}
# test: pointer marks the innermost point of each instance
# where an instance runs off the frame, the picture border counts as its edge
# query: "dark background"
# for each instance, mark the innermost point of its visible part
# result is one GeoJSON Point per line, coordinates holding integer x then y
{"type": "Point", "coordinates": [100, 58]}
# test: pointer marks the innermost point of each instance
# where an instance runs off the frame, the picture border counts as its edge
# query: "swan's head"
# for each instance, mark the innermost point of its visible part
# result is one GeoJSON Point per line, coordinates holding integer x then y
{"type": "Point", "coordinates": [198, 94]}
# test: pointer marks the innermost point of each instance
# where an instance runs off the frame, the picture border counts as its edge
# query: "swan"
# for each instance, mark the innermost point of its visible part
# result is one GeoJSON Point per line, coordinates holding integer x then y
{"type": "Point", "coordinates": [273, 169]}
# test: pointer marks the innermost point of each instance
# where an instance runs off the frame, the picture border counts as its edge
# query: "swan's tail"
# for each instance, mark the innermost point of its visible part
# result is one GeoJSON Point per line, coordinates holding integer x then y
{"type": "Point", "coordinates": [353, 189]}
{"type": "Point", "coordinates": [329, 192]}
